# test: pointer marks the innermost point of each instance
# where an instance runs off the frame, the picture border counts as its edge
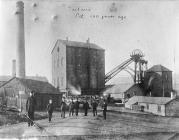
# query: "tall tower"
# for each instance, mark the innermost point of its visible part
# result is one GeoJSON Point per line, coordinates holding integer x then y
{"type": "Point", "coordinates": [20, 54]}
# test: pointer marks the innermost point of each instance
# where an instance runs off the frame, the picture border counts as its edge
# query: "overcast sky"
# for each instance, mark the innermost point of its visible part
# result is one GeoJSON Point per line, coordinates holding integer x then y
{"type": "Point", "coordinates": [151, 26]}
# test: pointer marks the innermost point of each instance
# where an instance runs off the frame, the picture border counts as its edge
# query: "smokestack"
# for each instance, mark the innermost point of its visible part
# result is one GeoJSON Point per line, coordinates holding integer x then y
{"type": "Point", "coordinates": [88, 40]}
{"type": "Point", "coordinates": [13, 68]}
{"type": "Point", "coordinates": [20, 40]}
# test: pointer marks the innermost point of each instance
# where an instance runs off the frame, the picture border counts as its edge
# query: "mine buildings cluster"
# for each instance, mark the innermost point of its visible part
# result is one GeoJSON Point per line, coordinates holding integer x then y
{"type": "Point", "coordinates": [80, 66]}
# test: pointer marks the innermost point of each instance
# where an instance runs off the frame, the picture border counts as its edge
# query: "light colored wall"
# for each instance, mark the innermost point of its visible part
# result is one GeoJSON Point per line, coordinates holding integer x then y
{"type": "Point", "coordinates": [59, 66]}
{"type": "Point", "coordinates": [153, 108]}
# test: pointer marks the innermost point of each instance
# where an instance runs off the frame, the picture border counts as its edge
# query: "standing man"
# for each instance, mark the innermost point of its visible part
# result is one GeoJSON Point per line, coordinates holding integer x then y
{"type": "Point", "coordinates": [63, 108]}
{"type": "Point", "coordinates": [71, 108]}
{"type": "Point", "coordinates": [86, 107]}
{"type": "Point", "coordinates": [104, 108]}
{"type": "Point", "coordinates": [94, 105]}
{"type": "Point", "coordinates": [30, 108]}
{"type": "Point", "coordinates": [50, 109]}
{"type": "Point", "coordinates": [77, 107]}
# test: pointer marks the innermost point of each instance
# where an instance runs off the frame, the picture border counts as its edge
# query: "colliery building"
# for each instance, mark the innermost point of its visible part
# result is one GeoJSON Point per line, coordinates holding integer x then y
{"type": "Point", "coordinates": [158, 81]}
{"type": "Point", "coordinates": [15, 92]}
{"type": "Point", "coordinates": [78, 64]}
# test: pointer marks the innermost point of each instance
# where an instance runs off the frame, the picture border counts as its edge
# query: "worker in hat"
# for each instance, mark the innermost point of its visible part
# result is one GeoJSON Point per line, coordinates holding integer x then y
{"type": "Point", "coordinates": [30, 108]}
{"type": "Point", "coordinates": [50, 109]}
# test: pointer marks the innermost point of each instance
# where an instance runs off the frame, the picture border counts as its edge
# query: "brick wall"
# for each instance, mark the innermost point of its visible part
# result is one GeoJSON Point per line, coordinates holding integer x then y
{"type": "Point", "coordinates": [172, 108]}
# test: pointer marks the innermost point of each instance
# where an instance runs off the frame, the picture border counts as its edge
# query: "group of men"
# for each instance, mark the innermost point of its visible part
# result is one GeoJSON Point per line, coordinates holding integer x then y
{"type": "Point", "coordinates": [73, 108]}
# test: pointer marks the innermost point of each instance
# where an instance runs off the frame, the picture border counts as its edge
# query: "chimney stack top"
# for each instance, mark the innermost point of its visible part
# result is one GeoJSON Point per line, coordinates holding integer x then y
{"type": "Point", "coordinates": [88, 40]}
{"type": "Point", "coordinates": [20, 4]}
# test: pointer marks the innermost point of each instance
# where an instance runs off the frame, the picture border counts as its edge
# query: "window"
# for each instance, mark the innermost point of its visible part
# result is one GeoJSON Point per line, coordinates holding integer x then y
{"type": "Point", "coordinates": [58, 62]}
{"type": "Point", "coordinates": [62, 61]}
{"type": "Point", "coordinates": [159, 108]}
{"type": "Point", "coordinates": [147, 106]}
{"type": "Point", "coordinates": [58, 49]}
{"type": "Point", "coordinates": [62, 81]}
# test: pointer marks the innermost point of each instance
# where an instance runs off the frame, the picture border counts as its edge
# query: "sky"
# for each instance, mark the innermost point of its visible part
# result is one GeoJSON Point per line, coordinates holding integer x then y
{"type": "Point", "coordinates": [117, 26]}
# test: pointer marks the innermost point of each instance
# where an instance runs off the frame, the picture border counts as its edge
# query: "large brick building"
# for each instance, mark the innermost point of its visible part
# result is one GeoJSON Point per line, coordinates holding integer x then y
{"type": "Point", "coordinates": [78, 65]}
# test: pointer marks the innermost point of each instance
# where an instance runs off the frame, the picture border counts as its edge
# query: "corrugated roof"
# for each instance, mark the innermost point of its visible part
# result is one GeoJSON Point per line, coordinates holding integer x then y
{"type": "Point", "coordinates": [158, 68]}
{"type": "Point", "coordinates": [38, 78]}
{"type": "Point", "coordinates": [5, 78]}
{"type": "Point", "coordinates": [39, 86]}
{"type": "Point", "coordinates": [135, 85]}
{"type": "Point", "coordinates": [153, 100]}
{"type": "Point", "coordinates": [78, 44]}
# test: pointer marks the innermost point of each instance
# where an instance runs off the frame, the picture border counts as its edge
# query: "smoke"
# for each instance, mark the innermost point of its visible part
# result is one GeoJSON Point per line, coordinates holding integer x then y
{"type": "Point", "coordinates": [150, 80]}
{"type": "Point", "coordinates": [117, 89]}
{"type": "Point", "coordinates": [74, 91]}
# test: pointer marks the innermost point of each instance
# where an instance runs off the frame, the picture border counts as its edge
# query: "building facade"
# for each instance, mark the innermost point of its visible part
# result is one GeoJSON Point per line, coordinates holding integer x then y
{"type": "Point", "coordinates": [134, 90]}
{"type": "Point", "coordinates": [163, 106]}
{"type": "Point", "coordinates": [78, 65]}
{"type": "Point", "coordinates": [15, 92]}
{"type": "Point", "coordinates": [158, 81]}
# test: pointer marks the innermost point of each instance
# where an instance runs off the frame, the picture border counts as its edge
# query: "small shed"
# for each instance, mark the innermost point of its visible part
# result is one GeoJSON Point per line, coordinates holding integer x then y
{"type": "Point", "coordinates": [163, 106]}
{"type": "Point", "coordinates": [15, 92]}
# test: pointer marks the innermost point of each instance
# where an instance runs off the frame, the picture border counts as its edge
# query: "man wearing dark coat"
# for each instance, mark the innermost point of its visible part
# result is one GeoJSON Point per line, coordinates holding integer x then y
{"type": "Point", "coordinates": [63, 108]}
{"type": "Point", "coordinates": [30, 108]}
{"type": "Point", "coordinates": [94, 105]}
{"type": "Point", "coordinates": [50, 109]}
{"type": "Point", "coordinates": [77, 107]}
{"type": "Point", "coordinates": [104, 108]}
{"type": "Point", "coordinates": [71, 108]}
{"type": "Point", "coordinates": [86, 107]}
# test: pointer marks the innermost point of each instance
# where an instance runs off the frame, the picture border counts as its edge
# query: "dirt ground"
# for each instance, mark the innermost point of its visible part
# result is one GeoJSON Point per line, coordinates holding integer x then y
{"type": "Point", "coordinates": [9, 118]}
{"type": "Point", "coordinates": [117, 126]}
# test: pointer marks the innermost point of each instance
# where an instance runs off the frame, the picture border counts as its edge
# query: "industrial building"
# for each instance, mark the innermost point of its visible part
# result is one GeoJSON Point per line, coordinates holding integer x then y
{"type": "Point", "coordinates": [15, 89]}
{"type": "Point", "coordinates": [15, 92]}
{"type": "Point", "coordinates": [163, 106]}
{"type": "Point", "coordinates": [158, 81]}
{"type": "Point", "coordinates": [80, 65]}
{"type": "Point", "coordinates": [134, 90]}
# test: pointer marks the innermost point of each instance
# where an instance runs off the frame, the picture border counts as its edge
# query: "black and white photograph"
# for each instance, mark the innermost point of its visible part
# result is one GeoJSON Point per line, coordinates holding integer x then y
{"type": "Point", "coordinates": [89, 69]}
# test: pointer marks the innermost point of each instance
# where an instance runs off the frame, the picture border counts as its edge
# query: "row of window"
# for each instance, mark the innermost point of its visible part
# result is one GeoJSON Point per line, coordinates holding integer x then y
{"type": "Point", "coordinates": [158, 109]}
{"type": "Point", "coordinates": [57, 62]}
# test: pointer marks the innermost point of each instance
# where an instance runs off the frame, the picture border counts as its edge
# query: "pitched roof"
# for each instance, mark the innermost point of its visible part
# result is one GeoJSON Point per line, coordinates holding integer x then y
{"type": "Point", "coordinates": [37, 86]}
{"type": "Point", "coordinates": [78, 44]}
{"type": "Point", "coordinates": [158, 68]}
{"type": "Point", "coordinates": [153, 100]}
{"type": "Point", "coordinates": [38, 78]}
{"type": "Point", "coordinates": [135, 85]}
{"type": "Point", "coordinates": [5, 78]}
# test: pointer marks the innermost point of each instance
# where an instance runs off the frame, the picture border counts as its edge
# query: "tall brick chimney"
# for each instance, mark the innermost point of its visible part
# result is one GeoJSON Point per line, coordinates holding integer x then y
{"type": "Point", "coordinates": [20, 53]}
